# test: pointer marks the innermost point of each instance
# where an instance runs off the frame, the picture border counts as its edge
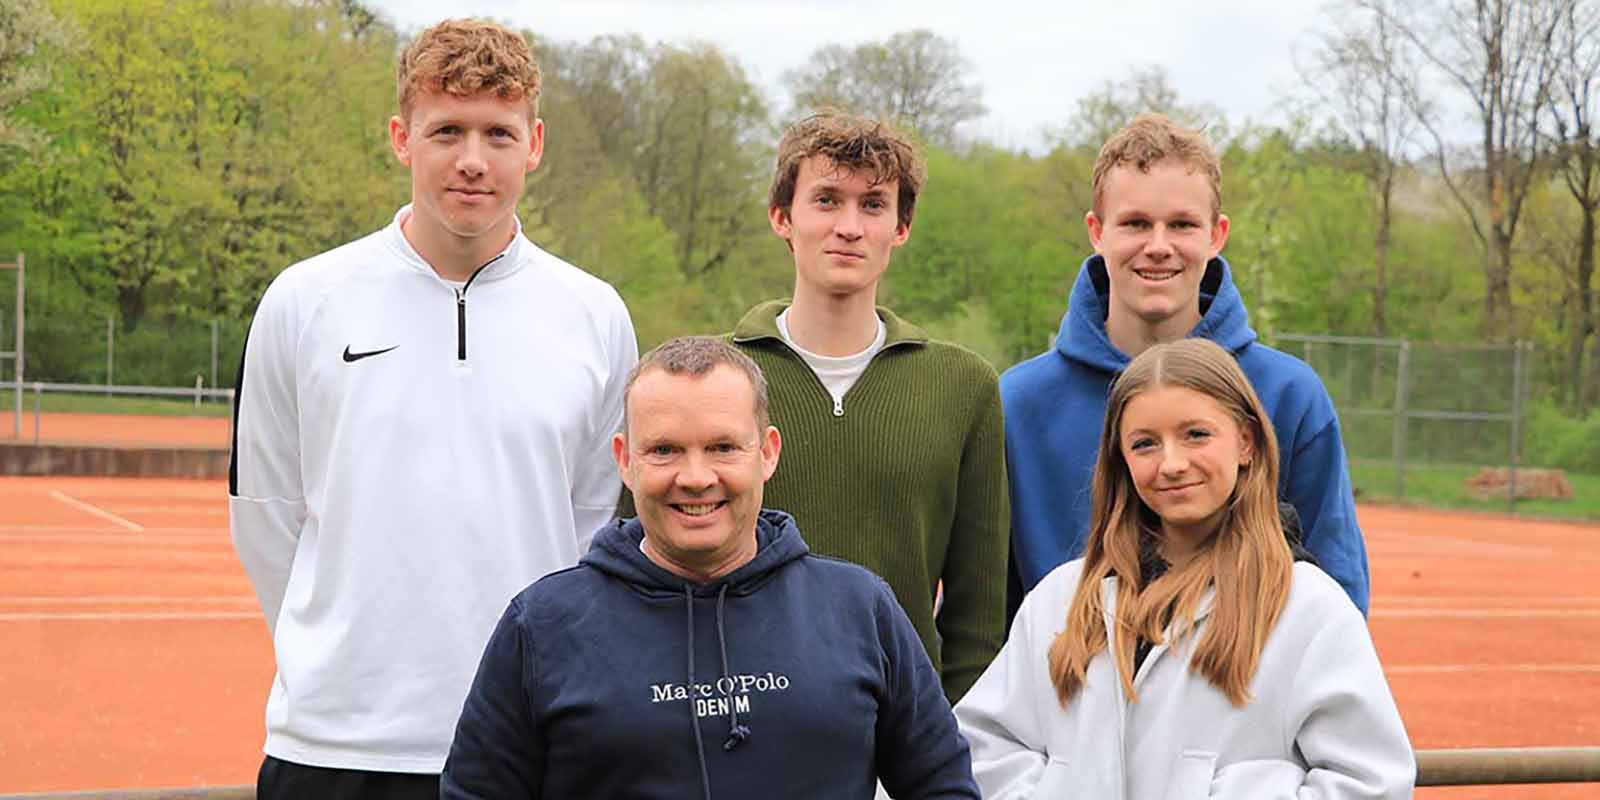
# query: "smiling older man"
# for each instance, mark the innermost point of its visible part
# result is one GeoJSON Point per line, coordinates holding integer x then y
{"type": "Point", "coordinates": [700, 650]}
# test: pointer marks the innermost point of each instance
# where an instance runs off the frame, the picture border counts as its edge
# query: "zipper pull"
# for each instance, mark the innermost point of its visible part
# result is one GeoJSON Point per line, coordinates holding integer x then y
{"type": "Point", "coordinates": [838, 407]}
{"type": "Point", "coordinates": [461, 324]}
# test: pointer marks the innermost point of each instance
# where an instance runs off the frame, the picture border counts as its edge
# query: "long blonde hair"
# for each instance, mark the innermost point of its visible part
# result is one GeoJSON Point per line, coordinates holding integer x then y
{"type": "Point", "coordinates": [1248, 560]}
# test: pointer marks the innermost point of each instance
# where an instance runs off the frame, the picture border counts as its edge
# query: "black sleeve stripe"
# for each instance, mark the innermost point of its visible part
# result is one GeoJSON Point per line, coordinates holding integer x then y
{"type": "Point", "coordinates": [238, 397]}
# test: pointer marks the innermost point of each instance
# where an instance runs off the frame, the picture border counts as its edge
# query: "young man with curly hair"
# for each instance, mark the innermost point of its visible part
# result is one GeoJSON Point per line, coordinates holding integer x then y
{"type": "Point", "coordinates": [424, 424]}
{"type": "Point", "coordinates": [900, 464]}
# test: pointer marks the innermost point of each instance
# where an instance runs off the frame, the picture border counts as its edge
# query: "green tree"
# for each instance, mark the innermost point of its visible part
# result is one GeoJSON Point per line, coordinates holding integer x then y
{"type": "Point", "coordinates": [31, 39]}
{"type": "Point", "coordinates": [915, 78]}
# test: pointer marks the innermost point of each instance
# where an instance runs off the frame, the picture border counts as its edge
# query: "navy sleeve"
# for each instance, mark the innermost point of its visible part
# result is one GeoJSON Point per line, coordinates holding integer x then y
{"type": "Point", "coordinates": [499, 750]}
{"type": "Point", "coordinates": [920, 752]}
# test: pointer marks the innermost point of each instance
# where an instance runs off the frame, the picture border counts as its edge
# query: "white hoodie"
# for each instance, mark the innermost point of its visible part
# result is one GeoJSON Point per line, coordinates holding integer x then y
{"type": "Point", "coordinates": [408, 456]}
{"type": "Point", "coordinates": [1321, 724]}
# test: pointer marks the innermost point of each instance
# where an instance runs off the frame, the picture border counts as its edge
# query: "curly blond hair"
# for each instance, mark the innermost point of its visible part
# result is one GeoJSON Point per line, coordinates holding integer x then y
{"type": "Point", "coordinates": [467, 57]}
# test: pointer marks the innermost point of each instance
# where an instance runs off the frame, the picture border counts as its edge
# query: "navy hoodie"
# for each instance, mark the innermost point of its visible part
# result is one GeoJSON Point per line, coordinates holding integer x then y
{"type": "Point", "coordinates": [794, 676]}
{"type": "Point", "coordinates": [1055, 407]}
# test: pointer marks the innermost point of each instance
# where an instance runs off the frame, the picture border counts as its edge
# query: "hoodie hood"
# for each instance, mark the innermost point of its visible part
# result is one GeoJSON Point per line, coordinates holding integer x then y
{"type": "Point", "coordinates": [616, 552]}
{"type": "Point", "coordinates": [1083, 338]}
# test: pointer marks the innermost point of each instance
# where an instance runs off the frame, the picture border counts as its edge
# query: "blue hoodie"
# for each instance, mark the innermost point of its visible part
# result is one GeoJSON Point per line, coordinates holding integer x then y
{"type": "Point", "coordinates": [792, 676]}
{"type": "Point", "coordinates": [1055, 407]}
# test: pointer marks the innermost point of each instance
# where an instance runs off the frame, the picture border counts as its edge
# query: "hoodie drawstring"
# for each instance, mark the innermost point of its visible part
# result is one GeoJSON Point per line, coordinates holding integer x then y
{"type": "Point", "coordinates": [694, 720]}
{"type": "Point", "coordinates": [736, 733]}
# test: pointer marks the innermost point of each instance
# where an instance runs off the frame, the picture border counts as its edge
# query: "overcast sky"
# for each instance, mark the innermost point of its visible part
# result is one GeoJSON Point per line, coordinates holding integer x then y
{"type": "Point", "coordinates": [1034, 58]}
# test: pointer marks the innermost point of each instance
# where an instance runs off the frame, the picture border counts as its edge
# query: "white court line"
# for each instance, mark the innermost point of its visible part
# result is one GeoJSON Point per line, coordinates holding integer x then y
{"type": "Point", "coordinates": [148, 541]}
{"type": "Point", "coordinates": [99, 512]}
{"type": "Point", "coordinates": [1485, 613]}
{"type": "Point", "coordinates": [1504, 600]}
{"type": "Point", "coordinates": [199, 511]}
{"type": "Point", "coordinates": [12, 528]}
{"type": "Point", "coordinates": [130, 600]}
{"type": "Point", "coordinates": [1422, 669]}
{"type": "Point", "coordinates": [124, 616]}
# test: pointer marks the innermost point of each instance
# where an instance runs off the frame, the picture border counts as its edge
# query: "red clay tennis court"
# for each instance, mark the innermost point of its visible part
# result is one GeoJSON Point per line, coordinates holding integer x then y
{"type": "Point", "coordinates": [135, 654]}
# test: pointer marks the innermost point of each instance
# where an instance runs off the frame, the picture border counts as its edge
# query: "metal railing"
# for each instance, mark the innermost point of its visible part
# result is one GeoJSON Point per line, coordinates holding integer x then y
{"type": "Point", "coordinates": [198, 394]}
{"type": "Point", "coordinates": [1465, 767]}
{"type": "Point", "coordinates": [1505, 766]}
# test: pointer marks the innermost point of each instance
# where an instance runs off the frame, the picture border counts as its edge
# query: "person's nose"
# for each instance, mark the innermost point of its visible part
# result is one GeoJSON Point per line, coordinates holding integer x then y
{"type": "Point", "coordinates": [848, 223]}
{"type": "Point", "coordinates": [471, 161]}
{"type": "Point", "coordinates": [1159, 245]}
{"type": "Point", "coordinates": [1174, 463]}
{"type": "Point", "coordinates": [696, 475]}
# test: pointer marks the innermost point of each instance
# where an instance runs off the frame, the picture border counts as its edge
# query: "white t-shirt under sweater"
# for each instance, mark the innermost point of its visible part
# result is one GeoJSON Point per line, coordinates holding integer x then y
{"type": "Point", "coordinates": [837, 374]}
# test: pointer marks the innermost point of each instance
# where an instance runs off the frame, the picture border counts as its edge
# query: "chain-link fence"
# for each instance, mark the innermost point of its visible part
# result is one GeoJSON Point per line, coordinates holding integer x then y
{"type": "Point", "coordinates": [1407, 406]}
{"type": "Point", "coordinates": [79, 362]}
{"type": "Point", "coordinates": [173, 352]}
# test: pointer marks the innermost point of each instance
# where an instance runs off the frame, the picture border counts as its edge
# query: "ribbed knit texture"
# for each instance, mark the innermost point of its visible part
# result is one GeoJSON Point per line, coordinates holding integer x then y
{"type": "Point", "coordinates": [909, 482]}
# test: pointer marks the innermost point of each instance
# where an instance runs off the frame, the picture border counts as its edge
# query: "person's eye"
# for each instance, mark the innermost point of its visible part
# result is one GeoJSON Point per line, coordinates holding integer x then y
{"type": "Point", "coordinates": [446, 130]}
{"type": "Point", "coordinates": [1141, 444]}
{"type": "Point", "coordinates": [661, 450]}
{"type": "Point", "coordinates": [876, 205]}
{"type": "Point", "coordinates": [1136, 224]}
{"type": "Point", "coordinates": [502, 133]}
{"type": "Point", "coordinates": [1199, 433]}
{"type": "Point", "coordinates": [824, 200]}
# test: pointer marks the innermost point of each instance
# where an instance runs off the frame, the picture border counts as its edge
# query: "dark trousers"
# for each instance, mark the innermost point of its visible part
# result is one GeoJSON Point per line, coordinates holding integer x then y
{"type": "Point", "coordinates": [285, 780]}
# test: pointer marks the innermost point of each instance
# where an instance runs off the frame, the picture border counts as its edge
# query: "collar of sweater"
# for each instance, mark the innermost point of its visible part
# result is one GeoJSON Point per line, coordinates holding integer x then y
{"type": "Point", "coordinates": [761, 322]}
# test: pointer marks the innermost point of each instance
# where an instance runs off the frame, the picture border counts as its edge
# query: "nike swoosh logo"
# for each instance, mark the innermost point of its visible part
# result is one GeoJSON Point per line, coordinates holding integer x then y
{"type": "Point", "coordinates": [350, 357]}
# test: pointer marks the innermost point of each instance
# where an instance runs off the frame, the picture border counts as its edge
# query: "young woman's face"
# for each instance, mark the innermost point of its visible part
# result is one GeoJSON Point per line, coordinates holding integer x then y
{"type": "Point", "coordinates": [1184, 451]}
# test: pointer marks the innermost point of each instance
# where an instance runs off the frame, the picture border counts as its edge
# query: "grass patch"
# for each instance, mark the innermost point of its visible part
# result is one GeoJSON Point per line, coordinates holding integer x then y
{"type": "Point", "coordinates": [1444, 486]}
{"type": "Point", "coordinates": [63, 403]}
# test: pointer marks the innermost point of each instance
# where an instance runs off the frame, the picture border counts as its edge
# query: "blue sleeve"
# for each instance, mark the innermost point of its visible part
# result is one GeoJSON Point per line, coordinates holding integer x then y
{"type": "Point", "coordinates": [920, 752]}
{"type": "Point", "coordinates": [1316, 481]}
{"type": "Point", "coordinates": [498, 749]}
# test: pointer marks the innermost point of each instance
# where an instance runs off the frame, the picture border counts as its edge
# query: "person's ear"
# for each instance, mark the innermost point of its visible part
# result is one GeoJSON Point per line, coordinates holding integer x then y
{"type": "Point", "coordinates": [619, 451]}
{"type": "Point", "coordinates": [1096, 230]}
{"type": "Point", "coordinates": [400, 139]}
{"type": "Point", "coordinates": [535, 145]}
{"type": "Point", "coordinates": [1219, 234]}
{"type": "Point", "coordinates": [771, 445]}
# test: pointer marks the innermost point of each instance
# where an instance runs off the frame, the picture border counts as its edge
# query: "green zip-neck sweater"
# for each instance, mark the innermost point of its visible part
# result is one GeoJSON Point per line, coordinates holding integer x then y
{"type": "Point", "coordinates": [907, 478]}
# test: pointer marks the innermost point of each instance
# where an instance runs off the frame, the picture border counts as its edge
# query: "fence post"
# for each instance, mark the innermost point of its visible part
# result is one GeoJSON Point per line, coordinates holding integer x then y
{"type": "Point", "coordinates": [3, 356]}
{"type": "Point", "coordinates": [19, 359]}
{"type": "Point", "coordinates": [111, 353]}
{"type": "Point", "coordinates": [38, 391]}
{"type": "Point", "coordinates": [214, 354]}
{"type": "Point", "coordinates": [1515, 449]}
{"type": "Point", "coordinates": [1401, 389]}
{"type": "Point", "coordinates": [199, 387]}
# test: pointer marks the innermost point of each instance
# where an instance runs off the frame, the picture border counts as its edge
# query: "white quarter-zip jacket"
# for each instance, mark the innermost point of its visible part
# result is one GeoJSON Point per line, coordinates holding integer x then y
{"type": "Point", "coordinates": [1321, 724]}
{"type": "Point", "coordinates": [408, 456]}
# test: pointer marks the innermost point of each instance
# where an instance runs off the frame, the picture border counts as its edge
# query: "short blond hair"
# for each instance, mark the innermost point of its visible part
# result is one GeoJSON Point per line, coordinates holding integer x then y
{"type": "Point", "coordinates": [464, 58]}
{"type": "Point", "coordinates": [1149, 140]}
